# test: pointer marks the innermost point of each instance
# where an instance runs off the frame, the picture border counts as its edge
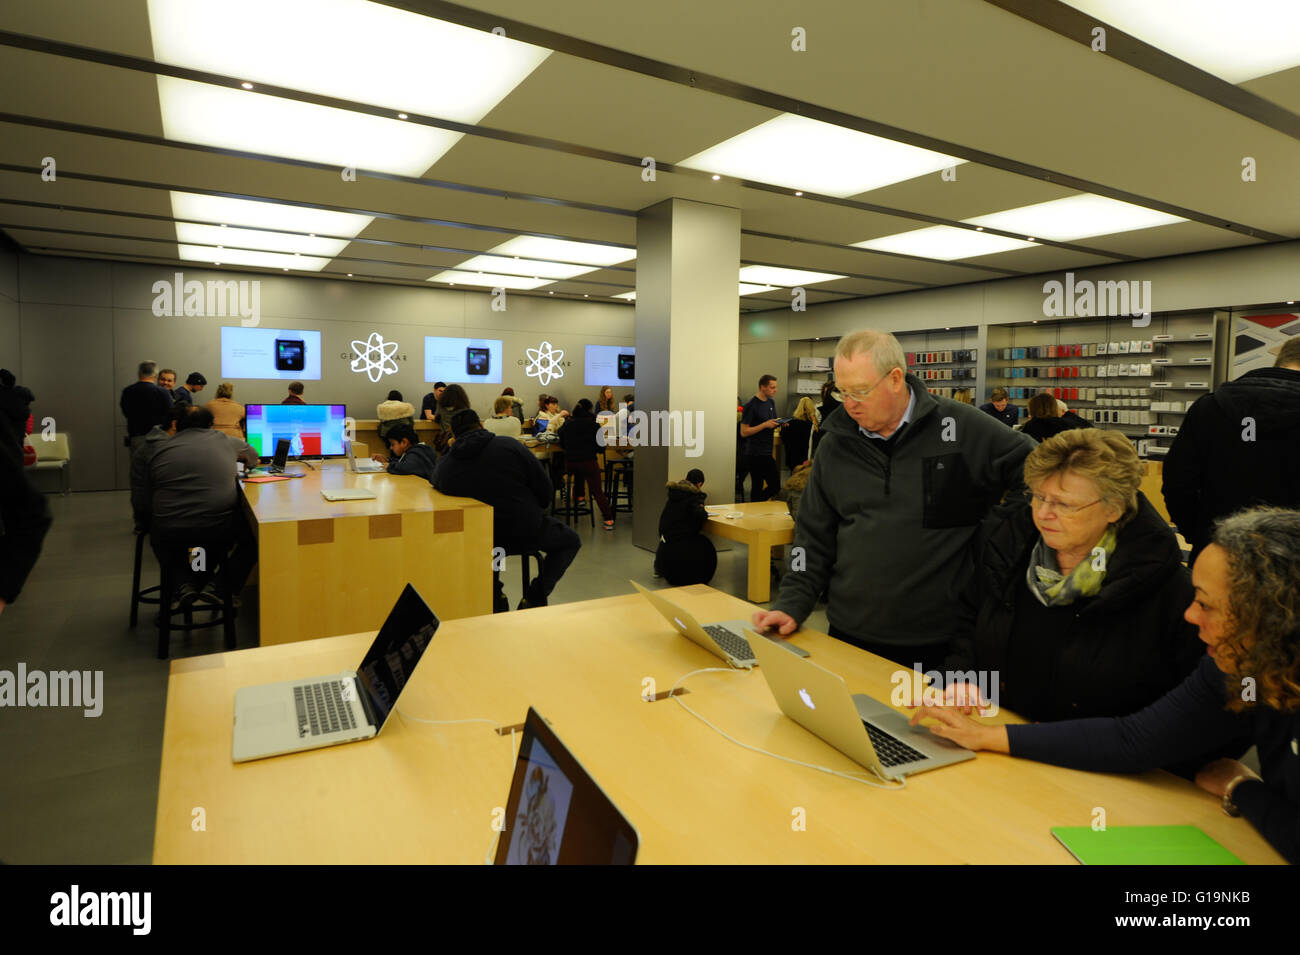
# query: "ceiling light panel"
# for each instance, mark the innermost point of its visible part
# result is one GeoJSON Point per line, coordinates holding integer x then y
{"type": "Point", "coordinates": [1075, 217]}
{"type": "Point", "coordinates": [565, 250]}
{"type": "Point", "coordinates": [242, 222]}
{"type": "Point", "coordinates": [747, 288]}
{"type": "Point", "coordinates": [506, 265]}
{"type": "Point", "coordinates": [489, 280]}
{"type": "Point", "coordinates": [1235, 41]}
{"type": "Point", "coordinates": [807, 154]}
{"type": "Point", "coordinates": [944, 243]}
{"type": "Point", "coordinates": [773, 276]}
{"type": "Point", "coordinates": [350, 49]}
{"type": "Point", "coordinates": [626, 296]}
{"type": "Point", "coordinates": [270, 260]}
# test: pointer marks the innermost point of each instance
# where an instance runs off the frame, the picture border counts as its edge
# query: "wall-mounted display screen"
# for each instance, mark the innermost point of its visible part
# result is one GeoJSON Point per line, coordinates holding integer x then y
{"type": "Point", "coordinates": [312, 430]}
{"type": "Point", "coordinates": [463, 360]}
{"type": "Point", "coordinates": [613, 365]}
{"type": "Point", "coordinates": [288, 354]}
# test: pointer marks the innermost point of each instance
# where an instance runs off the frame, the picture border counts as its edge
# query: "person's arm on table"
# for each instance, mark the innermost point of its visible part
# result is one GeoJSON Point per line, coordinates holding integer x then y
{"type": "Point", "coordinates": [816, 531]}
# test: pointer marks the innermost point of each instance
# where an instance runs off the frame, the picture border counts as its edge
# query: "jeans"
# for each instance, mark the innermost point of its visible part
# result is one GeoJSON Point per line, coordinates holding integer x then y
{"type": "Point", "coordinates": [589, 472]}
{"type": "Point", "coordinates": [559, 544]}
{"type": "Point", "coordinates": [764, 472]}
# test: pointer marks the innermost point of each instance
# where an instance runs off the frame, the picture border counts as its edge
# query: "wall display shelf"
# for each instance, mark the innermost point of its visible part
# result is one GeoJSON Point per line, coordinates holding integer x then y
{"type": "Point", "coordinates": [947, 360]}
{"type": "Point", "coordinates": [1139, 381]}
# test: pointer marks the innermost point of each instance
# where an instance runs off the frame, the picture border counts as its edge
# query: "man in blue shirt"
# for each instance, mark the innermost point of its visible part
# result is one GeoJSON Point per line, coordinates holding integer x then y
{"type": "Point", "coordinates": [999, 407]}
{"type": "Point", "coordinates": [757, 422]}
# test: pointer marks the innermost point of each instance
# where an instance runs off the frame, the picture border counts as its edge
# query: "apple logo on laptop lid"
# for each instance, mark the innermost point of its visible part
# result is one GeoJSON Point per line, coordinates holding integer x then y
{"type": "Point", "coordinates": [807, 700]}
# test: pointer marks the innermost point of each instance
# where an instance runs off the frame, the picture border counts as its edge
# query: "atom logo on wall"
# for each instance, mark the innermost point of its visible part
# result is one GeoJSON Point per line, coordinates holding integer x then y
{"type": "Point", "coordinates": [374, 357]}
{"type": "Point", "coordinates": [544, 363]}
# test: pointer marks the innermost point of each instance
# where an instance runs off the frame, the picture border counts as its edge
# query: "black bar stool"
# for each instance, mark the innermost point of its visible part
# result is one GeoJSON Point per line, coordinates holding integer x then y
{"type": "Point", "coordinates": [570, 507]}
{"type": "Point", "coordinates": [618, 485]}
{"type": "Point", "coordinates": [223, 614]}
{"type": "Point", "coordinates": [147, 595]}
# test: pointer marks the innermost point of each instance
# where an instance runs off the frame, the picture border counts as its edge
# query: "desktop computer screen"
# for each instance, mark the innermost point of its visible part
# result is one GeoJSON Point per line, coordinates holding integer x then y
{"type": "Point", "coordinates": [312, 430]}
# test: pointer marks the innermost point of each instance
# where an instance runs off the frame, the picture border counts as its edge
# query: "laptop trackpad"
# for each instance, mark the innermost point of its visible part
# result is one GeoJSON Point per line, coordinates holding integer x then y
{"type": "Point", "coordinates": [265, 714]}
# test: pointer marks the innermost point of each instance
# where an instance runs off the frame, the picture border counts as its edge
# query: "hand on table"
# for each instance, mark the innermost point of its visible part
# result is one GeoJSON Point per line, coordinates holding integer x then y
{"type": "Point", "coordinates": [777, 620]}
{"type": "Point", "coordinates": [965, 697]}
{"type": "Point", "coordinates": [963, 730]}
{"type": "Point", "coordinates": [379, 458]}
{"type": "Point", "coordinates": [1214, 777]}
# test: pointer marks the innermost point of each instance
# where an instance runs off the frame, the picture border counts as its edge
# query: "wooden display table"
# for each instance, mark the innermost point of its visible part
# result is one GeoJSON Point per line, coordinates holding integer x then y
{"type": "Point", "coordinates": [765, 524]}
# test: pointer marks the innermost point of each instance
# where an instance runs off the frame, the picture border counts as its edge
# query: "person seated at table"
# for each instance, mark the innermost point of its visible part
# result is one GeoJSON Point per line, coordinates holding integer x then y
{"type": "Point", "coordinates": [503, 420]}
{"type": "Point", "coordinates": [429, 404]}
{"type": "Point", "coordinates": [551, 413]}
{"type": "Point", "coordinates": [578, 439]}
{"type": "Point", "coordinates": [504, 474]}
{"type": "Point", "coordinates": [605, 401]}
{"type": "Point", "coordinates": [1045, 418]}
{"type": "Point", "coordinates": [189, 493]}
{"type": "Point", "coordinates": [227, 413]}
{"type": "Point", "coordinates": [685, 555]}
{"type": "Point", "coordinates": [1079, 588]}
{"type": "Point", "coordinates": [452, 400]}
{"type": "Point", "coordinates": [406, 454]}
{"type": "Point", "coordinates": [517, 406]}
{"type": "Point", "coordinates": [1247, 612]}
{"type": "Point", "coordinates": [394, 411]}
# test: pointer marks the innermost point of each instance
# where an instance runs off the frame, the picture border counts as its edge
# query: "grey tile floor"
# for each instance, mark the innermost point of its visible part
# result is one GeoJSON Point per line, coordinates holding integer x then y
{"type": "Point", "coordinates": [79, 790]}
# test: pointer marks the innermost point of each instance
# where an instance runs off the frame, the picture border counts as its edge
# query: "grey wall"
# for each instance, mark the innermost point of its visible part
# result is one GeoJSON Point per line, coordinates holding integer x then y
{"type": "Point", "coordinates": [82, 326]}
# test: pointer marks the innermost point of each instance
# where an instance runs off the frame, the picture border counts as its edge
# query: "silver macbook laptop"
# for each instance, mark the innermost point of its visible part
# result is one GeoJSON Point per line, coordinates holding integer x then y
{"type": "Point", "coordinates": [725, 639]}
{"type": "Point", "coordinates": [867, 731]}
{"type": "Point", "coordinates": [296, 715]}
{"type": "Point", "coordinates": [364, 466]}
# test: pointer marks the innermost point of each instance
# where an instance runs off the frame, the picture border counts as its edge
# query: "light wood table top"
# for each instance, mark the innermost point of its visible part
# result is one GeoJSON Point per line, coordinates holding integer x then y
{"type": "Point", "coordinates": [426, 793]}
{"type": "Point", "coordinates": [299, 499]}
{"type": "Point", "coordinates": [762, 526]}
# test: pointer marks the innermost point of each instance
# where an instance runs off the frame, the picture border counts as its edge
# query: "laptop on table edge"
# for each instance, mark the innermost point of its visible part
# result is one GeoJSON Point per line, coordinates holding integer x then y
{"type": "Point", "coordinates": [867, 731]}
{"type": "Point", "coordinates": [295, 715]}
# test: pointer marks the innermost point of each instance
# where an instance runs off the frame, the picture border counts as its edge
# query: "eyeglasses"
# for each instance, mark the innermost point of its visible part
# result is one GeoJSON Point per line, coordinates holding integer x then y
{"type": "Point", "coordinates": [859, 396]}
{"type": "Point", "coordinates": [1037, 500]}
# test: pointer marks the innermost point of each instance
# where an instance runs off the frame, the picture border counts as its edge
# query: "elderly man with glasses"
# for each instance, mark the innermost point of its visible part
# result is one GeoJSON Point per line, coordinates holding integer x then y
{"type": "Point", "coordinates": [899, 483]}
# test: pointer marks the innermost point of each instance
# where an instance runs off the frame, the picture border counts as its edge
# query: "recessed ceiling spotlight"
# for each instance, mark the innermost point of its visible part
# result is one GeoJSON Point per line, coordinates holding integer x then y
{"type": "Point", "coordinates": [349, 275]}
{"type": "Point", "coordinates": [247, 86]}
{"type": "Point", "coordinates": [584, 294]}
{"type": "Point", "coordinates": [1290, 303]}
{"type": "Point", "coordinates": [550, 293]}
{"type": "Point", "coordinates": [285, 270]}
{"type": "Point", "coordinates": [798, 193]}
{"type": "Point", "coordinates": [979, 228]}
{"type": "Point", "coordinates": [1029, 238]}
{"type": "Point", "coordinates": [716, 178]}
{"type": "Point", "coordinates": [401, 116]}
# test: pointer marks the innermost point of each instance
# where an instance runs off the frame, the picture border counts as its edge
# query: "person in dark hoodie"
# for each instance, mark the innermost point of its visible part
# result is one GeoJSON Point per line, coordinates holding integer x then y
{"type": "Point", "coordinates": [24, 515]}
{"type": "Point", "coordinates": [685, 556]}
{"type": "Point", "coordinates": [1078, 595]}
{"type": "Point", "coordinates": [579, 439]}
{"type": "Point", "coordinates": [408, 455]}
{"type": "Point", "coordinates": [1237, 448]}
{"type": "Point", "coordinates": [503, 473]}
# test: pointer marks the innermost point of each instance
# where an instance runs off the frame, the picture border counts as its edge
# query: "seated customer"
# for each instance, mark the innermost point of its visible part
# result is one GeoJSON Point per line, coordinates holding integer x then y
{"type": "Point", "coordinates": [1046, 418]}
{"type": "Point", "coordinates": [193, 497]}
{"type": "Point", "coordinates": [1078, 593]}
{"type": "Point", "coordinates": [140, 458]}
{"type": "Point", "coordinates": [578, 439]}
{"type": "Point", "coordinates": [1247, 612]}
{"type": "Point", "coordinates": [394, 411]}
{"type": "Point", "coordinates": [227, 413]}
{"type": "Point", "coordinates": [503, 420]}
{"type": "Point", "coordinates": [452, 400]}
{"type": "Point", "coordinates": [999, 407]}
{"type": "Point", "coordinates": [550, 413]}
{"type": "Point", "coordinates": [685, 555]}
{"type": "Point", "coordinates": [504, 474]}
{"type": "Point", "coordinates": [407, 454]}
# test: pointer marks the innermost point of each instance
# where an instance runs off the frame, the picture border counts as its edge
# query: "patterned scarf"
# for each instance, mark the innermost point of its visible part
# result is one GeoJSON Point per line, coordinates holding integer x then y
{"type": "Point", "coordinates": [1054, 589]}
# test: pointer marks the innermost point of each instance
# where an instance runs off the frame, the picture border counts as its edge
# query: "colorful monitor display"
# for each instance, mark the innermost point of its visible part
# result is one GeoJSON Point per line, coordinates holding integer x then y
{"type": "Point", "coordinates": [312, 430]}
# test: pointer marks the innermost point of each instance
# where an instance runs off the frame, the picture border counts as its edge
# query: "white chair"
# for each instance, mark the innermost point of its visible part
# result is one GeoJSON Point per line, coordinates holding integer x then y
{"type": "Point", "coordinates": [52, 455]}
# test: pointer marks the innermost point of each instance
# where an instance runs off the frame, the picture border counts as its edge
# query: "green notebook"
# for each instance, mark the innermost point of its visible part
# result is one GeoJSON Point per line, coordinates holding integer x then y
{"type": "Point", "coordinates": [1143, 845]}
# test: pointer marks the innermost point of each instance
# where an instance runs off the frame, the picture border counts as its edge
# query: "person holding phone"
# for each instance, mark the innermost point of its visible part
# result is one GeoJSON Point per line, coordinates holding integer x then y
{"type": "Point", "coordinates": [757, 422]}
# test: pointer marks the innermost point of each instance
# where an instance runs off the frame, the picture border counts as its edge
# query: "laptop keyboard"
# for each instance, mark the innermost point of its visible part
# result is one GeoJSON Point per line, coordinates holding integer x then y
{"type": "Point", "coordinates": [321, 708]}
{"type": "Point", "coordinates": [738, 647]}
{"type": "Point", "coordinates": [890, 750]}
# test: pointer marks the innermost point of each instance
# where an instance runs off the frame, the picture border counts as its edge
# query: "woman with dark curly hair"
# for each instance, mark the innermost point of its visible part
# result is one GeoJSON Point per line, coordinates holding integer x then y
{"type": "Point", "coordinates": [1247, 612]}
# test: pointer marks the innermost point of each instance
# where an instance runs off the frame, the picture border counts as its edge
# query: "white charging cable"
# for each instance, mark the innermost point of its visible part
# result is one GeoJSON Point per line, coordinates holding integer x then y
{"type": "Point", "coordinates": [885, 783]}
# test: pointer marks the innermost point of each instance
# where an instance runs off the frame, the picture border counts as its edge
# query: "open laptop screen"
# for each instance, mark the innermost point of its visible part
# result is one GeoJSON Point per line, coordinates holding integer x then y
{"type": "Point", "coordinates": [556, 814]}
{"type": "Point", "coordinates": [391, 659]}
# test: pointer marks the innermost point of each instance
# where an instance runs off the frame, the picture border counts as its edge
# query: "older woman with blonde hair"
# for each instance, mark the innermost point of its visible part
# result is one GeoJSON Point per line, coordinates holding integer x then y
{"type": "Point", "coordinates": [227, 414]}
{"type": "Point", "coordinates": [1247, 613]}
{"type": "Point", "coordinates": [1079, 589]}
